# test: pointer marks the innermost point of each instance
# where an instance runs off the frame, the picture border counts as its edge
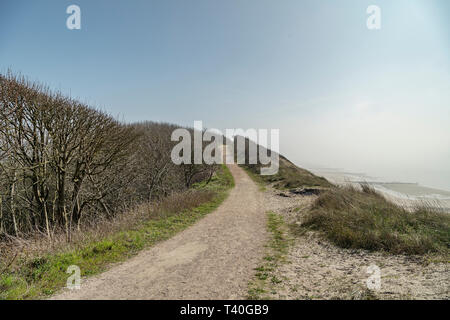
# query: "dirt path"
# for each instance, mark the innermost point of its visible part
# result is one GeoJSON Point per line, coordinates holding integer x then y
{"type": "Point", "coordinates": [214, 259]}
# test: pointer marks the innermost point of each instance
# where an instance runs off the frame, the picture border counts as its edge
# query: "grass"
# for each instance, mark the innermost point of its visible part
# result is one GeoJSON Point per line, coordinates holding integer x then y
{"type": "Point", "coordinates": [364, 219]}
{"type": "Point", "coordinates": [265, 279]}
{"type": "Point", "coordinates": [289, 176]}
{"type": "Point", "coordinates": [40, 276]}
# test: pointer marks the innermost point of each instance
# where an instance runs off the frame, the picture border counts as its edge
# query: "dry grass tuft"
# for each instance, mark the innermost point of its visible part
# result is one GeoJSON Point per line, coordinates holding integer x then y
{"type": "Point", "coordinates": [364, 219]}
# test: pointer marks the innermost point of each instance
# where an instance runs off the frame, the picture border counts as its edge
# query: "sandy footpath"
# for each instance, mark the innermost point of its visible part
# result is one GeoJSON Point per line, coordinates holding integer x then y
{"type": "Point", "coordinates": [214, 259]}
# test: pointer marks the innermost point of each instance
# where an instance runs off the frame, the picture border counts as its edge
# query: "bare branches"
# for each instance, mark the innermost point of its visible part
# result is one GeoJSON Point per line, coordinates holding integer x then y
{"type": "Point", "coordinates": [63, 162]}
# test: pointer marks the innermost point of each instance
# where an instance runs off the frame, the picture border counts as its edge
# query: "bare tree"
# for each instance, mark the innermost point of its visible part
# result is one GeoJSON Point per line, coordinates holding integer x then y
{"type": "Point", "coordinates": [63, 162]}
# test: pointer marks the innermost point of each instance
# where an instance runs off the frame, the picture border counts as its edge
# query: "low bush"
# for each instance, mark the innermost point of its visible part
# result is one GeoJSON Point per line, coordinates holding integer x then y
{"type": "Point", "coordinates": [353, 218]}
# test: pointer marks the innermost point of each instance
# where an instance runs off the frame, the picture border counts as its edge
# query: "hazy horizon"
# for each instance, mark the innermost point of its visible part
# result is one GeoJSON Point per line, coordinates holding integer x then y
{"type": "Point", "coordinates": [343, 96]}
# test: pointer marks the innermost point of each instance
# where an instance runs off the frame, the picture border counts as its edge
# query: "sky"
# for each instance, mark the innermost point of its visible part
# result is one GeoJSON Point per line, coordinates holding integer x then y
{"type": "Point", "coordinates": [343, 96]}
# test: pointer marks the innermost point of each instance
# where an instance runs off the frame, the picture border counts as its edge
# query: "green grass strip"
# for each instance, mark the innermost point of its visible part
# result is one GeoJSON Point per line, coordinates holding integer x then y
{"type": "Point", "coordinates": [265, 280]}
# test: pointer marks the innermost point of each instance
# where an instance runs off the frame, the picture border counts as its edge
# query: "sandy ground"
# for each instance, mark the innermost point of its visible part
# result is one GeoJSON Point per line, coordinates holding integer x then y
{"type": "Point", "coordinates": [316, 269]}
{"type": "Point", "coordinates": [214, 259]}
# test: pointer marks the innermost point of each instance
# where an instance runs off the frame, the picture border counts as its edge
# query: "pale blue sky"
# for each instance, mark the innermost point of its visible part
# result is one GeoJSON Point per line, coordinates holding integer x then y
{"type": "Point", "coordinates": [342, 95]}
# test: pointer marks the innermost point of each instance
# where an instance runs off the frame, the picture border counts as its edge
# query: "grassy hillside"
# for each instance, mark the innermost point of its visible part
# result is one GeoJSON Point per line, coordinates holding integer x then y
{"type": "Point", "coordinates": [289, 176]}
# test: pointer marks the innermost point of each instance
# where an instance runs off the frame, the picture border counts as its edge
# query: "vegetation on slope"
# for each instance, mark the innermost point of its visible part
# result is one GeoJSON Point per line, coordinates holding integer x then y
{"type": "Point", "coordinates": [42, 273]}
{"type": "Point", "coordinates": [289, 176]}
{"type": "Point", "coordinates": [364, 219]}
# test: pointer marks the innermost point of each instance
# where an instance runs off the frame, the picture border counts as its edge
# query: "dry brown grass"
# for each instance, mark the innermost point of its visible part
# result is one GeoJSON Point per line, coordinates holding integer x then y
{"type": "Point", "coordinates": [14, 249]}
